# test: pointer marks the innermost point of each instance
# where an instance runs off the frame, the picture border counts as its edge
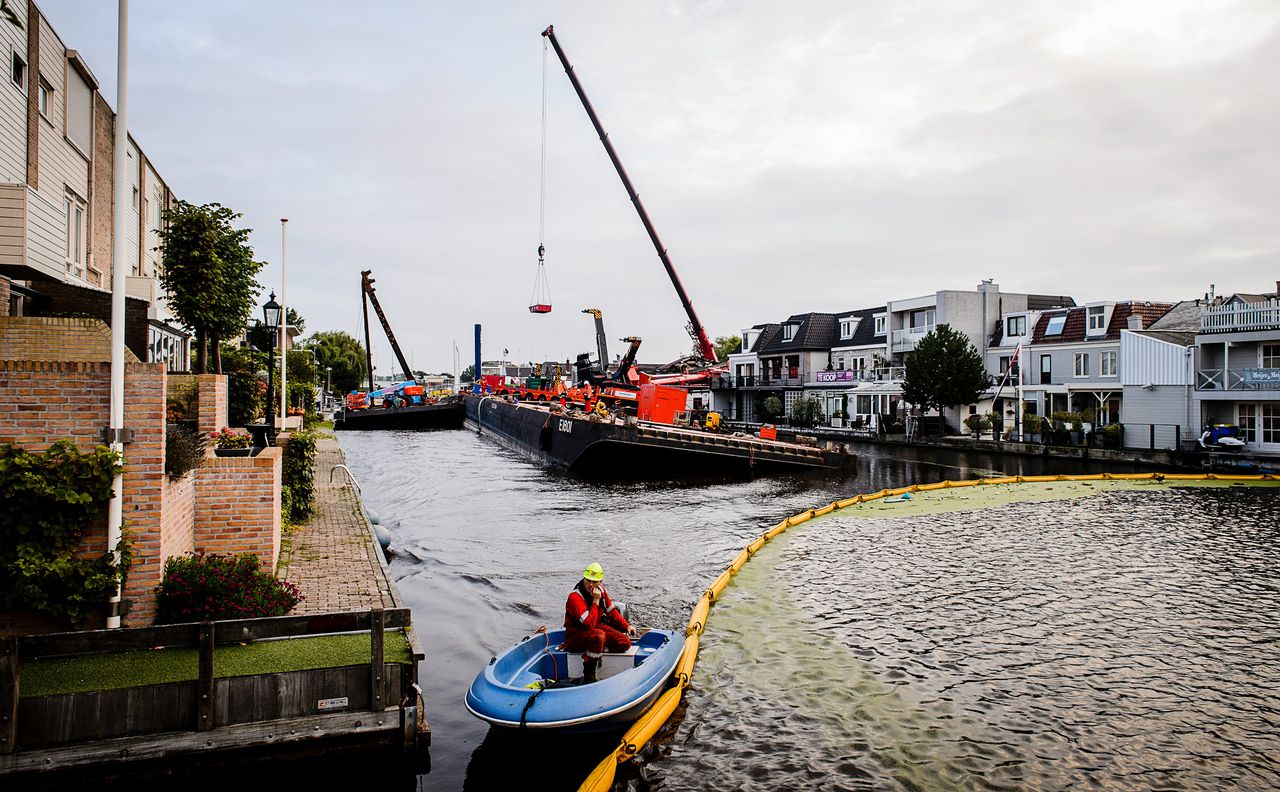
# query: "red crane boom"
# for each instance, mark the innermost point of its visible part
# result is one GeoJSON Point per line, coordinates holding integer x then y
{"type": "Point", "coordinates": [696, 330]}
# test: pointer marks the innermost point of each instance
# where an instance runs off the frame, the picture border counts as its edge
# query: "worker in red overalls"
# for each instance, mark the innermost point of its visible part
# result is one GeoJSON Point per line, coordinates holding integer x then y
{"type": "Point", "coordinates": [592, 623]}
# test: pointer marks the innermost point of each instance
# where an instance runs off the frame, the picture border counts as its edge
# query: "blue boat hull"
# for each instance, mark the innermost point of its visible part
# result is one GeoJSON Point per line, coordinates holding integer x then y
{"type": "Point", "coordinates": [500, 694]}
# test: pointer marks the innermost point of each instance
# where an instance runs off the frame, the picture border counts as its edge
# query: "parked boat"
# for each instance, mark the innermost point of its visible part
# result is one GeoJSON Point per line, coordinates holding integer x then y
{"type": "Point", "coordinates": [448, 414]}
{"type": "Point", "coordinates": [532, 684]}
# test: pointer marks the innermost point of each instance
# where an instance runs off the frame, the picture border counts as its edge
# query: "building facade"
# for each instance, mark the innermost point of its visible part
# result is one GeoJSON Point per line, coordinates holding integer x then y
{"type": "Point", "coordinates": [1237, 367]}
{"type": "Point", "coordinates": [57, 142]}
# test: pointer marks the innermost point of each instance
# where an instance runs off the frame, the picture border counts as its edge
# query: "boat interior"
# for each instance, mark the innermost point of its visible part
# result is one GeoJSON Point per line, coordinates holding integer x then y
{"type": "Point", "coordinates": [555, 663]}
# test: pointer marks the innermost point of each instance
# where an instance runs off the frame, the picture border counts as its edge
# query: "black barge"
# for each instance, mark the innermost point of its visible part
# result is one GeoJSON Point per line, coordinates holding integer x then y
{"type": "Point", "coordinates": [443, 415]}
{"type": "Point", "coordinates": [618, 446]}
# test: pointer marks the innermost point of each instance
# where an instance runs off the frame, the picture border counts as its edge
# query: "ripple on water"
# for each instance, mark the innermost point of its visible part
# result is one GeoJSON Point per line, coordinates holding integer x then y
{"type": "Point", "coordinates": [1123, 641]}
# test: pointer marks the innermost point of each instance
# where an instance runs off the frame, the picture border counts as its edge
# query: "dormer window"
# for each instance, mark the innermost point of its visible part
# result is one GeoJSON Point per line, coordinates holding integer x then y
{"type": "Point", "coordinates": [1015, 326]}
{"type": "Point", "coordinates": [788, 332]}
{"type": "Point", "coordinates": [1056, 324]}
{"type": "Point", "coordinates": [1097, 319]}
{"type": "Point", "coordinates": [880, 325]}
{"type": "Point", "coordinates": [847, 328]}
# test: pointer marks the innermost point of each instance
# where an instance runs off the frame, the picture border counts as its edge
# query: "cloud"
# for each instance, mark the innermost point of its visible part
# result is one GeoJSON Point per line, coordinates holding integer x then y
{"type": "Point", "coordinates": [815, 157]}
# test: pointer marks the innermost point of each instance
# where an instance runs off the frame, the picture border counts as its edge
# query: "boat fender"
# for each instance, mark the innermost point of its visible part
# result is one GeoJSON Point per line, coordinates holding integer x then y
{"type": "Point", "coordinates": [383, 536]}
{"type": "Point", "coordinates": [373, 516]}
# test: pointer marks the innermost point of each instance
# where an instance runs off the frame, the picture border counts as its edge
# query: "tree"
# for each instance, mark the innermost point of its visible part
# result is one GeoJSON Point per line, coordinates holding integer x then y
{"type": "Point", "coordinates": [770, 407]}
{"type": "Point", "coordinates": [468, 374]}
{"type": "Point", "coordinates": [344, 354]}
{"type": "Point", "coordinates": [209, 274]}
{"type": "Point", "coordinates": [301, 368]}
{"type": "Point", "coordinates": [945, 369]}
{"type": "Point", "coordinates": [805, 411]}
{"type": "Point", "coordinates": [726, 346]}
{"type": "Point", "coordinates": [295, 320]}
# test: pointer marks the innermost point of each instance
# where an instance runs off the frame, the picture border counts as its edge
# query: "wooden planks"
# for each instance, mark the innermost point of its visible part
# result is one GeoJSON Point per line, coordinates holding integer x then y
{"type": "Point", "coordinates": [9, 667]}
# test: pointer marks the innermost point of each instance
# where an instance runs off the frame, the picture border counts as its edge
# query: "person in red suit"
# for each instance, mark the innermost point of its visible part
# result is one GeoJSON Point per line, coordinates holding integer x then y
{"type": "Point", "coordinates": [592, 623]}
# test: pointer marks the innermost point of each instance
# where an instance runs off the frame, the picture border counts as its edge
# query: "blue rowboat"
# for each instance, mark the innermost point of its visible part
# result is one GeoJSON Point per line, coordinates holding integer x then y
{"type": "Point", "coordinates": [531, 685]}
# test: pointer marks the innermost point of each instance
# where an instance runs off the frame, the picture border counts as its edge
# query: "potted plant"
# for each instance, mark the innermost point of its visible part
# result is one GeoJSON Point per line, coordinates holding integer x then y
{"type": "Point", "coordinates": [1077, 428]}
{"type": "Point", "coordinates": [229, 443]}
{"type": "Point", "coordinates": [838, 418]}
{"type": "Point", "coordinates": [977, 423]}
{"type": "Point", "coordinates": [1032, 425]}
{"type": "Point", "coordinates": [1113, 436]}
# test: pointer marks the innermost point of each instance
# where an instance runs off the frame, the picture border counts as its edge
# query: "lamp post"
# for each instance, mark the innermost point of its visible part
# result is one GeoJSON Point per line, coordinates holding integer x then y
{"type": "Point", "coordinates": [328, 382]}
{"type": "Point", "coordinates": [271, 318]}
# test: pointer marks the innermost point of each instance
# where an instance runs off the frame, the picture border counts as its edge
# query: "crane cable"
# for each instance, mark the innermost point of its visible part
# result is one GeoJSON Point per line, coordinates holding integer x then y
{"type": "Point", "coordinates": [540, 300]}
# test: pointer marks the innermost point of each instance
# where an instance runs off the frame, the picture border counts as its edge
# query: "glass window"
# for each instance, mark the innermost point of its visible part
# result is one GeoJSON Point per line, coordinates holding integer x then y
{"type": "Point", "coordinates": [75, 214]}
{"type": "Point", "coordinates": [788, 332]}
{"type": "Point", "coordinates": [1271, 423]}
{"type": "Point", "coordinates": [1046, 369]}
{"type": "Point", "coordinates": [1109, 364]}
{"type": "Point", "coordinates": [1097, 318]}
{"type": "Point", "coordinates": [1271, 356]}
{"type": "Point", "coordinates": [1015, 326]}
{"type": "Point", "coordinates": [42, 98]}
{"type": "Point", "coordinates": [19, 72]}
{"type": "Point", "coordinates": [1056, 323]}
{"type": "Point", "coordinates": [1247, 420]}
{"type": "Point", "coordinates": [1082, 364]}
{"type": "Point", "coordinates": [879, 325]}
{"type": "Point", "coordinates": [846, 329]}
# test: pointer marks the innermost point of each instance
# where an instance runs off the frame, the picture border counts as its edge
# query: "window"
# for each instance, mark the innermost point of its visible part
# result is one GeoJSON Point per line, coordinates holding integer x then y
{"type": "Point", "coordinates": [75, 212]}
{"type": "Point", "coordinates": [879, 325]}
{"type": "Point", "coordinates": [1271, 423]}
{"type": "Point", "coordinates": [923, 318]}
{"type": "Point", "coordinates": [1015, 326]}
{"type": "Point", "coordinates": [1270, 356]}
{"type": "Point", "coordinates": [1056, 323]}
{"type": "Point", "coordinates": [1109, 364]}
{"type": "Point", "coordinates": [1008, 366]}
{"type": "Point", "coordinates": [1082, 364]}
{"type": "Point", "coordinates": [19, 72]}
{"type": "Point", "coordinates": [1247, 420]}
{"type": "Point", "coordinates": [42, 97]}
{"type": "Point", "coordinates": [846, 329]}
{"type": "Point", "coordinates": [1097, 319]}
{"type": "Point", "coordinates": [1046, 369]}
{"type": "Point", "coordinates": [788, 332]}
{"type": "Point", "coordinates": [135, 197]}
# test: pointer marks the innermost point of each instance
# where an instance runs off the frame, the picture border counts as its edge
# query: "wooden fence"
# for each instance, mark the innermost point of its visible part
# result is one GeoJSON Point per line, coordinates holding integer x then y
{"type": "Point", "coordinates": [210, 704]}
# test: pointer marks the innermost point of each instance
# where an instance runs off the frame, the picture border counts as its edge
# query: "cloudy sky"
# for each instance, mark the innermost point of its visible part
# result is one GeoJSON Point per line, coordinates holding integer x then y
{"type": "Point", "coordinates": [820, 155]}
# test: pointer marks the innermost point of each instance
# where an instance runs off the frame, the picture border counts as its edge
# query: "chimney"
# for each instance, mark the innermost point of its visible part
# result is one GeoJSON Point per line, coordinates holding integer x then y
{"type": "Point", "coordinates": [1135, 321]}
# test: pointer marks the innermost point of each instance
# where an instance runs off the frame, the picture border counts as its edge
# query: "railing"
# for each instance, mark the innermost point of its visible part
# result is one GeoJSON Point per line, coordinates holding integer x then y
{"type": "Point", "coordinates": [1245, 379]}
{"type": "Point", "coordinates": [1241, 316]}
{"type": "Point", "coordinates": [905, 340]}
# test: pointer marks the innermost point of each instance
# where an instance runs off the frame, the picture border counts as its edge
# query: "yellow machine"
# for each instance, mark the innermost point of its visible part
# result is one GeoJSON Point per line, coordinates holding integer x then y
{"type": "Point", "coordinates": [713, 422]}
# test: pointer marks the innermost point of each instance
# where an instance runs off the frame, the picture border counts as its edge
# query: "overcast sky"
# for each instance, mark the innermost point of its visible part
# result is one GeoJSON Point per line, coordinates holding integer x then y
{"type": "Point", "coordinates": [794, 157]}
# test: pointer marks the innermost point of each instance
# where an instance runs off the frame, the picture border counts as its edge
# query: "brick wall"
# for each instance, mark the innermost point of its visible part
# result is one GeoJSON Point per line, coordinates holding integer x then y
{"type": "Point", "coordinates": [4, 296]}
{"type": "Point", "coordinates": [53, 400]}
{"type": "Point", "coordinates": [177, 517]}
{"type": "Point", "coordinates": [56, 338]}
{"type": "Point", "coordinates": [213, 401]}
{"type": "Point", "coordinates": [66, 298]}
{"type": "Point", "coordinates": [239, 506]}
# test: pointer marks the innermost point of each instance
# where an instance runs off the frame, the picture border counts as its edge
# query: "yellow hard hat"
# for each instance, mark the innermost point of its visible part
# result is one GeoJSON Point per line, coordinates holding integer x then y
{"type": "Point", "coordinates": [594, 572]}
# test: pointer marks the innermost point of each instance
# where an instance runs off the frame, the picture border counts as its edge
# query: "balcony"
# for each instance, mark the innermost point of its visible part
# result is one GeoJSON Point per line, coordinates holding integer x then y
{"type": "Point", "coordinates": [1237, 318]}
{"type": "Point", "coordinates": [1244, 379]}
{"type": "Point", "coordinates": [906, 340]}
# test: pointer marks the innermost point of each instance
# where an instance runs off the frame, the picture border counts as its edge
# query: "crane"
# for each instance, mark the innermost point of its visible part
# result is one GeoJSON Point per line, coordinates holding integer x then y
{"type": "Point", "coordinates": [368, 295]}
{"type": "Point", "coordinates": [696, 331]}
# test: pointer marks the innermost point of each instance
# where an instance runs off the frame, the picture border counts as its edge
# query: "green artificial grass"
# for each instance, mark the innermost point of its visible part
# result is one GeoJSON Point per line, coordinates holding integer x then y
{"type": "Point", "coordinates": [111, 671]}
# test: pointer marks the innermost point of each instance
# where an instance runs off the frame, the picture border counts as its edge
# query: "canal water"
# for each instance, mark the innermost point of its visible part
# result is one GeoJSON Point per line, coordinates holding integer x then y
{"type": "Point", "coordinates": [1124, 641]}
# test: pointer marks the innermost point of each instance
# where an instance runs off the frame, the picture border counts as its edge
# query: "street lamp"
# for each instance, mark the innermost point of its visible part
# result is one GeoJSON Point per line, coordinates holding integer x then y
{"type": "Point", "coordinates": [271, 318]}
{"type": "Point", "coordinates": [328, 382]}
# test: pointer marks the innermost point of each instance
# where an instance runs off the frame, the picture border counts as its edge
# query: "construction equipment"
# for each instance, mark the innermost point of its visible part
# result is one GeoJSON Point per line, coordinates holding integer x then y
{"type": "Point", "coordinates": [601, 346]}
{"type": "Point", "coordinates": [696, 331]}
{"type": "Point", "coordinates": [368, 295]}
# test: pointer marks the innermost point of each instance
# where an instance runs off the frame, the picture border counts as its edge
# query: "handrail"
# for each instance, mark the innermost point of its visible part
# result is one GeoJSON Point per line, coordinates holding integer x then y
{"type": "Point", "coordinates": [350, 475]}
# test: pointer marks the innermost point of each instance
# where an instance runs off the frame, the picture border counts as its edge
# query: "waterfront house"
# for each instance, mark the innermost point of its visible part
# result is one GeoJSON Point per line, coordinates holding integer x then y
{"type": "Point", "coordinates": [1071, 362]}
{"type": "Point", "coordinates": [859, 386]}
{"type": "Point", "coordinates": [776, 360]}
{"type": "Point", "coordinates": [56, 194]}
{"type": "Point", "coordinates": [1237, 367]}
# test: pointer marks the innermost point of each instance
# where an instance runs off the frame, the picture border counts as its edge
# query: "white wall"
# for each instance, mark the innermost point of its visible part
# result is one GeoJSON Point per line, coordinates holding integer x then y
{"type": "Point", "coordinates": [13, 100]}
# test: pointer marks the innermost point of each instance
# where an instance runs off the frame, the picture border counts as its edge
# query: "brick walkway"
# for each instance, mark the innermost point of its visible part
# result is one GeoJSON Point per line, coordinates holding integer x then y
{"type": "Point", "coordinates": [333, 556]}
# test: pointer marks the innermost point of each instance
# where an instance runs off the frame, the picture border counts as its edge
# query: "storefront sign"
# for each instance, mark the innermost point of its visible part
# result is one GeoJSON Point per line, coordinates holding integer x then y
{"type": "Point", "coordinates": [1267, 376]}
{"type": "Point", "coordinates": [835, 376]}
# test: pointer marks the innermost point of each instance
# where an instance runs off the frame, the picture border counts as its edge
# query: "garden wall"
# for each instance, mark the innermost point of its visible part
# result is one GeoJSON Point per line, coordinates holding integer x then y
{"type": "Point", "coordinates": [239, 506]}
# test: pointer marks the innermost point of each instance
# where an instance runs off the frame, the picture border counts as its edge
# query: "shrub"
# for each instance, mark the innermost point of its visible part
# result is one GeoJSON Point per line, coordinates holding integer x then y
{"type": "Point", "coordinates": [225, 438]}
{"type": "Point", "coordinates": [49, 502]}
{"type": "Point", "coordinates": [299, 475]}
{"type": "Point", "coordinates": [210, 587]}
{"type": "Point", "coordinates": [771, 407]}
{"type": "Point", "coordinates": [183, 451]}
{"type": "Point", "coordinates": [1031, 423]}
{"type": "Point", "coordinates": [805, 411]}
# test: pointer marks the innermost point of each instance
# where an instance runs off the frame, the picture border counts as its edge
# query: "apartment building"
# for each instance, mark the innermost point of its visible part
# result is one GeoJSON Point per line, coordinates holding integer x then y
{"type": "Point", "coordinates": [57, 144]}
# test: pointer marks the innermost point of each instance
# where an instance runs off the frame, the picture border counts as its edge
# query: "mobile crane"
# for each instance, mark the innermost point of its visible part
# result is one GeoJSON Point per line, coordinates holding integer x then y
{"type": "Point", "coordinates": [705, 350]}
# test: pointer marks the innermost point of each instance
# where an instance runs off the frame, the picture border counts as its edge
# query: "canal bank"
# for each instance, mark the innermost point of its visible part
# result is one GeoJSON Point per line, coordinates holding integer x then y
{"type": "Point", "coordinates": [338, 676]}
